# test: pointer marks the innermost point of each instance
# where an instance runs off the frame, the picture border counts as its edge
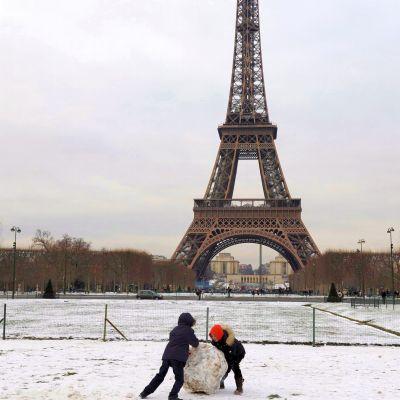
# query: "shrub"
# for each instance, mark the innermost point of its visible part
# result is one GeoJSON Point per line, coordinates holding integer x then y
{"type": "Point", "coordinates": [49, 292]}
{"type": "Point", "coordinates": [333, 296]}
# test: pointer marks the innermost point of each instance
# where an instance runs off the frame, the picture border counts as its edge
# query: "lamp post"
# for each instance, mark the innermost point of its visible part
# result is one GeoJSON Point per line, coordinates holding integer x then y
{"type": "Point", "coordinates": [361, 242]}
{"type": "Point", "coordinates": [389, 231]}
{"type": "Point", "coordinates": [16, 230]}
{"type": "Point", "coordinates": [259, 271]}
{"type": "Point", "coordinates": [314, 272]}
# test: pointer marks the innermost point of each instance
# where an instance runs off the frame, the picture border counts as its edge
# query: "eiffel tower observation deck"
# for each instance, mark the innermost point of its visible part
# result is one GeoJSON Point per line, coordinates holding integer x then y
{"type": "Point", "coordinates": [247, 134]}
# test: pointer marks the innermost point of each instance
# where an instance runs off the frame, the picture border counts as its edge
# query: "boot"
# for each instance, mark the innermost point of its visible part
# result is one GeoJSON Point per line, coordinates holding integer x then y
{"type": "Point", "coordinates": [239, 386]}
{"type": "Point", "coordinates": [174, 397]}
{"type": "Point", "coordinates": [142, 395]}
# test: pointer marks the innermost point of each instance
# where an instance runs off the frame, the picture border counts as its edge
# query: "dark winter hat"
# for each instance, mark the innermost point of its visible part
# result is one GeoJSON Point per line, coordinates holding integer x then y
{"type": "Point", "coordinates": [186, 319]}
{"type": "Point", "coordinates": [217, 332]}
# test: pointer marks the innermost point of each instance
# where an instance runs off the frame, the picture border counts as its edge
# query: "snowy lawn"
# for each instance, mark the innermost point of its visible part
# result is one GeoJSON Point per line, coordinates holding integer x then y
{"type": "Point", "coordinates": [383, 316]}
{"type": "Point", "coordinates": [152, 320]}
{"type": "Point", "coordinates": [83, 369]}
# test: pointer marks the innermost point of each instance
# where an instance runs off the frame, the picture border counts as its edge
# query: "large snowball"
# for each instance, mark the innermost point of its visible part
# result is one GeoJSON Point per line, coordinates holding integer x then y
{"type": "Point", "coordinates": [204, 369]}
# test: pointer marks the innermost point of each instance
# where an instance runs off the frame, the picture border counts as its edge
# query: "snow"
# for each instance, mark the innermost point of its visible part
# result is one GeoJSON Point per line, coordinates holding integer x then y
{"type": "Point", "coordinates": [383, 316]}
{"type": "Point", "coordinates": [95, 370]}
{"type": "Point", "coordinates": [253, 321]}
{"type": "Point", "coordinates": [91, 369]}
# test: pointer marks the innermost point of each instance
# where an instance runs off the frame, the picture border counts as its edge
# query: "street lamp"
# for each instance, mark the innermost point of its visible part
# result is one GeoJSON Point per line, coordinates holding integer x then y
{"type": "Point", "coordinates": [259, 271]}
{"type": "Point", "coordinates": [361, 242]}
{"type": "Point", "coordinates": [389, 231]}
{"type": "Point", "coordinates": [16, 230]}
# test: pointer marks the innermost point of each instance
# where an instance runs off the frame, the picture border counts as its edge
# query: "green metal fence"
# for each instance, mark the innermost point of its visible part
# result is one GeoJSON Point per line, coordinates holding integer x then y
{"type": "Point", "coordinates": [255, 322]}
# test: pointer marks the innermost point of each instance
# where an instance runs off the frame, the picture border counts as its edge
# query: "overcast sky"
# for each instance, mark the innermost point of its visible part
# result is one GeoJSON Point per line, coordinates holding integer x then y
{"type": "Point", "coordinates": [109, 112]}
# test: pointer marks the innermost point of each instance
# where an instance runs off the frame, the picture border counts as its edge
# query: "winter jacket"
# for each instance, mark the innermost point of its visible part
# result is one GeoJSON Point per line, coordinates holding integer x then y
{"type": "Point", "coordinates": [230, 346]}
{"type": "Point", "coordinates": [180, 338]}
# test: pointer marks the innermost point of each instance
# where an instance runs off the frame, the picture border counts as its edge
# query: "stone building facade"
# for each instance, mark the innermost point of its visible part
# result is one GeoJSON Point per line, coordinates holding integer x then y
{"type": "Point", "coordinates": [277, 276]}
{"type": "Point", "coordinates": [225, 264]}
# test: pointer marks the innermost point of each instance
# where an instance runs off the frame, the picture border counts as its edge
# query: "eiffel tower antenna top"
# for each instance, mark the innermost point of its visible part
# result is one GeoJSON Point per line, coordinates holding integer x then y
{"type": "Point", "coordinates": [247, 100]}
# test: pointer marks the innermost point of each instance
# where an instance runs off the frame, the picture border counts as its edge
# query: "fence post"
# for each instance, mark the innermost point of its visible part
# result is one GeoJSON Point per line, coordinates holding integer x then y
{"type": "Point", "coordinates": [207, 318]}
{"type": "Point", "coordinates": [4, 321]}
{"type": "Point", "coordinates": [105, 324]}
{"type": "Point", "coordinates": [313, 326]}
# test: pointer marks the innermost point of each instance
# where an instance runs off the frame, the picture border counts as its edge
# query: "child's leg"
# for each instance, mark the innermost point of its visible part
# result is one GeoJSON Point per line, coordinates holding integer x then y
{"type": "Point", "coordinates": [222, 383]}
{"type": "Point", "coordinates": [237, 371]}
{"type": "Point", "coordinates": [238, 377]}
{"type": "Point", "coordinates": [157, 380]}
{"type": "Point", "coordinates": [177, 367]}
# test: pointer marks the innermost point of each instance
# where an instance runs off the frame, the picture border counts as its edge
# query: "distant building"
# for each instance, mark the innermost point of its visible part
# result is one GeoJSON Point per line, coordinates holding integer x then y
{"type": "Point", "coordinates": [225, 264]}
{"type": "Point", "coordinates": [245, 269]}
{"type": "Point", "coordinates": [273, 275]}
{"type": "Point", "coordinates": [280, 266]}
{"type": "Point", "coordinates": [246, 280]}
{"type": "Point", "coordinates": [264, 270]}
{"type": "Point", "coordinates": [278, 272]}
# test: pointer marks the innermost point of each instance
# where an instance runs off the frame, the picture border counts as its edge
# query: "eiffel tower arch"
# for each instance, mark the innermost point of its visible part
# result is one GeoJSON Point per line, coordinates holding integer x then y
{"type": "Point", "coordinates": [247, 134]}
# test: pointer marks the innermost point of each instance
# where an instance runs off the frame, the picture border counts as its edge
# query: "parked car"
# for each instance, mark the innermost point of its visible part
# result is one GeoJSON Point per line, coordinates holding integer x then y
{"type": "Point", "coordinates": [148, 294]}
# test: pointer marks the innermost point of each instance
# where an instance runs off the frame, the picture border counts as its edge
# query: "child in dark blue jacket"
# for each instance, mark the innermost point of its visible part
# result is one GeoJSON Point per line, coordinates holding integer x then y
{"type": "Point", "coordinates": [175, 356]}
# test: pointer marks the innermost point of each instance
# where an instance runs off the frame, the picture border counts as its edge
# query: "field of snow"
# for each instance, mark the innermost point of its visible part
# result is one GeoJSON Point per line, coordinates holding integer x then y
{"type": "Point", "coordinates": [152, 320]}
{"type": "Point", "coordinates": [82, 369]}
{"type": "Point", "coordinates": [384, 316]}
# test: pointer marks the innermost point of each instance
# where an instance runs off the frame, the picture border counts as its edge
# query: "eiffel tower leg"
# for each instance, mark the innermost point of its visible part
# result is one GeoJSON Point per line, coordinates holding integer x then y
{"type": "Point", "coordinates": [224, 173]}
{"type": "Point", "coordinates": [189, 247]}
{"type": "Point", "coordinates": [273, 181]}
{"type": "Point", "coordinates": [303, 244]}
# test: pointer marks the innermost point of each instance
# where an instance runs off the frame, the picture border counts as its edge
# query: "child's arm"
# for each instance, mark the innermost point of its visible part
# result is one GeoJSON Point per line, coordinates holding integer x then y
{"type": "Point", "coordinates": [193, 341]}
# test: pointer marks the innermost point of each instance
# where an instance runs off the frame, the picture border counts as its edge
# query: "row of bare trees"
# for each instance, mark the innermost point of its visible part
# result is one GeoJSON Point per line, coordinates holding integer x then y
{"type": "Point", "coordinates": [352, 272]}
{"type": "Point", "coordinates": [72, 265]}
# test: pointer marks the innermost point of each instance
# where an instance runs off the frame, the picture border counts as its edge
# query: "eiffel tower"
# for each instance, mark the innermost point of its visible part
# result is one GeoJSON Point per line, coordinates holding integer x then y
{"type": "Point", "coordinates": [247, 134]}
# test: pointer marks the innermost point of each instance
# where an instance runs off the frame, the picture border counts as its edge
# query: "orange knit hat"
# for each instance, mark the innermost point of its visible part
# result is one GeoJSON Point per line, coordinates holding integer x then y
{"type": "Point", "coordinates": [217, 332]}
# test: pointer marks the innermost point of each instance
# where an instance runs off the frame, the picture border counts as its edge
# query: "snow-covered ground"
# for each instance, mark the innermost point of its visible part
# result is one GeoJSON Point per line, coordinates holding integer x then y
{"type": "Point", "coordinates": [152, 320]}
{"type": "Point", "coordinates": [384, 316]}
{"type": "Point", "coordinates": [83, 369]}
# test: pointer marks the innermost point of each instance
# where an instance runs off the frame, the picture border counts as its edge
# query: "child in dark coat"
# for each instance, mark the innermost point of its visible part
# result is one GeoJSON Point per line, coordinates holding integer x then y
{"type": "Point", "coordinates": [175, 356]}
{"type": "Point", "coordinates": [223, 338]}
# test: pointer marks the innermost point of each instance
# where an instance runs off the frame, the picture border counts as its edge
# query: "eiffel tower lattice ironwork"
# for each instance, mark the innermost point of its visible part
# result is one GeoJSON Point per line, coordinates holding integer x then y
{"type": "Point", "coordinates": [247, 134]}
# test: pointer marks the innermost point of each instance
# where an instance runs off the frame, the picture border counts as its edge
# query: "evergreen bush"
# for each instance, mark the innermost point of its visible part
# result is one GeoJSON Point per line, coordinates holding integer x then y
{"type": "Point", "coordinates": [333, 296]}
{"type": "Point", "coordinates": [49, 292]}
